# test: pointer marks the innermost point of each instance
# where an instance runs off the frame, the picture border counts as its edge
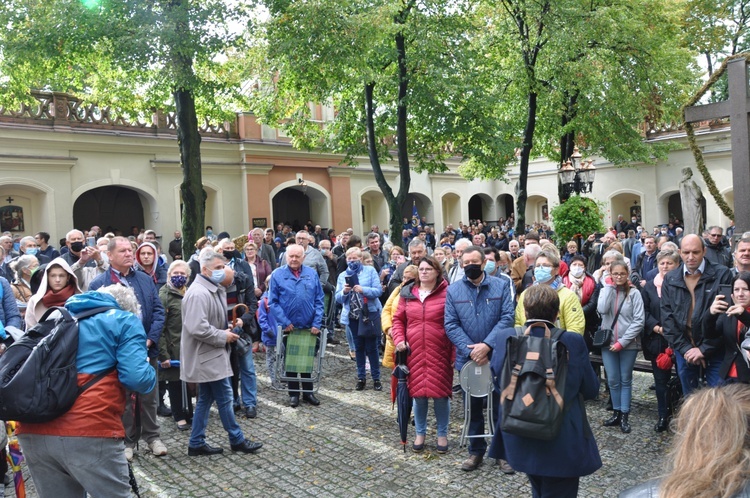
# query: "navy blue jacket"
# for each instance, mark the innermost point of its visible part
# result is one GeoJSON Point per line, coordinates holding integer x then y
{"type": "Point", "coordinates": [574, 452]}
{"type": "Point", "coordinates": [152, 311]}
{"type": "Point", "coordinates": [475, 314]}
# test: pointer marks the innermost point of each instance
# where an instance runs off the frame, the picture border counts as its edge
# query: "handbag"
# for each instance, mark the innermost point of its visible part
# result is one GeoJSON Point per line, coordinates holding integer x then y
{"type": "Point", "coordinates": [603, 337]}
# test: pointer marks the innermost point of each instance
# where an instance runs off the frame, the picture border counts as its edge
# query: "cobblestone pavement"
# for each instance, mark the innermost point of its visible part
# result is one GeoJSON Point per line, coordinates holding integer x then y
{"type": "Point", "coordinates": [349, 446]}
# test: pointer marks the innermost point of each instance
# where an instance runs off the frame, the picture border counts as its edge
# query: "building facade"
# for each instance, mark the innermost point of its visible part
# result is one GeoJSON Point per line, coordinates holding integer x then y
{"type": "Point", "coordinates": [66, 165]}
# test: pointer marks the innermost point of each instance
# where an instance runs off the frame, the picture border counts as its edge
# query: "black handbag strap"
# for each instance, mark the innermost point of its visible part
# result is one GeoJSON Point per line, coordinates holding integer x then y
{"type": "Point", "coordinates": [617, 315]}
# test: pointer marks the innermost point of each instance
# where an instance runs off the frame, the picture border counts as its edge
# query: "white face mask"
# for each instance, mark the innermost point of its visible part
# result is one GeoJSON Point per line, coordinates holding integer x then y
{"type": "Point", "coordinates": [577, 271]}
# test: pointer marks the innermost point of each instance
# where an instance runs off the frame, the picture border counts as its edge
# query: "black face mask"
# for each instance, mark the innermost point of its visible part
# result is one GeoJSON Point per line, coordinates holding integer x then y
{"type": "Point", "coordinates": [473, 272]}
{"type": "Point", "coordinates": [76, 246]}
{"type": "Point", "coordinates": [232, 254]}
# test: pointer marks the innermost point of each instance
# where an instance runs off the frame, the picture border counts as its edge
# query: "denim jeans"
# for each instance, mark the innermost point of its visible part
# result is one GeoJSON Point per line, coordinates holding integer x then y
{"type": "Point", "coordinates": [442, 407]}
{"type": "Point", "coordinates": [619, 368]}
{"type": "Point", "coordinates": [248, 380]}
{"type": "Point", "coordinates": [367, 347]}
{"type": "Point", "coordinates": [350, 338]}
{"type": "Point", "coordinates": [208, 392]}
{"type": "Point", "coordinates": [690, 374]}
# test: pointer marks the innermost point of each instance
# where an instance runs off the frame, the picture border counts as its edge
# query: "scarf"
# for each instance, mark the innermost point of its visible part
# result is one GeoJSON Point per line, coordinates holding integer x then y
{"type": "Point", "coordinates": [52, 299]}
{"type": "Point", "coordinates": [658, 281]}
{"type": "Point", "coordinates": [576, 285]}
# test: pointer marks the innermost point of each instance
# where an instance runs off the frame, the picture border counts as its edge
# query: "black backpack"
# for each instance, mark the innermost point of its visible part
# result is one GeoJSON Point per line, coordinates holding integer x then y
{"type": "Point", "coordinates": [533, 384]}
{"type": "Point", "coordinates": [38, 374]}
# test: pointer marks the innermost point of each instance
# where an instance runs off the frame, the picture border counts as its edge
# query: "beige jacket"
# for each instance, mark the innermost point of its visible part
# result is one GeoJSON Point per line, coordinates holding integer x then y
{"type": "Point", "coordinates": [204, 352]}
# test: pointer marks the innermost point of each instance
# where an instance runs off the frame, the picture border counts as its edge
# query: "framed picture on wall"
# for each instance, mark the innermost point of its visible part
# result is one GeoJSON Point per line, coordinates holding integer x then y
{"type": "Point", "coordinates": [11, 219]}
{"type": "Point", "coordinates": [545, 212]}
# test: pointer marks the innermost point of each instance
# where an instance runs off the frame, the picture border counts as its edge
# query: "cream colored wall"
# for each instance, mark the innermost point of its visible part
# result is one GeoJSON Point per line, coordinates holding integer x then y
{"type": "Point", "coordinates": [45, 171]}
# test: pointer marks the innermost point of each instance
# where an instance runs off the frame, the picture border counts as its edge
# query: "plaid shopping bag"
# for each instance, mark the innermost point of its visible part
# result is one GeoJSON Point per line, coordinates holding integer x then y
{"type": "Point", "coordinates": [300, 351]}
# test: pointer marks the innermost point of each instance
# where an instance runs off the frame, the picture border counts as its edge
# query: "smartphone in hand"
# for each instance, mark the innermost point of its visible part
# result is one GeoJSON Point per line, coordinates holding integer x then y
{"type": "Point", "coordinates": [726, 291]}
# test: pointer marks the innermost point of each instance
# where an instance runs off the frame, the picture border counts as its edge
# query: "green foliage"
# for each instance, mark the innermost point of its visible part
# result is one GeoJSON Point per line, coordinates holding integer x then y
{"type": "Point", "coordinates": [129, 54]}
{"type": "Point", "coordinates": [328, 50]}
{"type": "Point", "coordinates": [577, 217]}
{"type": "Point", "coordinates": [621, 59]}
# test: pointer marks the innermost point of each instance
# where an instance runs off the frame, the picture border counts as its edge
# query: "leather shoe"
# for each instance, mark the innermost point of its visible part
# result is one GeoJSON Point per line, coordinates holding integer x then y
{"type": "Point", "coordinates": [377, 385]}
{"type": "Point", "coordinates": [163, 411]}
{"type": "Point", "coordinates": [360, 385]}
{"type": "Point", "coordinates": [505, 467]}
{"type": "Point", "coordinates": [662, 425]}
{"type": "Point", "coordinates": [251, 412]}
{"type": "Point", "coordinates": [472, 463]}
{"type": "Point", "coordinates": [294, 401]}
{"type": "Point", "coordinates": [310, 398]}
{"type": "Point", "coordinates": [247, 446]}
{"type": "Point", "coordinates": [204, 450]}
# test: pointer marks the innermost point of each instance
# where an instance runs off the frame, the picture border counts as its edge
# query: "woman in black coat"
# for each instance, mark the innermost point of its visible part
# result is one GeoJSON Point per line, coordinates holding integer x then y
{"type": "Point", "coordinates": [654, 342]}
{"type": "Point", "coordinates": [731, 322]}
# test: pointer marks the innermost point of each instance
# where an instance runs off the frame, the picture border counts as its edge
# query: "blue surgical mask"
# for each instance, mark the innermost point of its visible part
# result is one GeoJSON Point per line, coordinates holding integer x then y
{"type": "Point", "coordinates": [209, 232]}
{"type": "Point", "coordinates": [31, 251]}
{"type": "Point", "coordinates": [16, 246]}
{"type": "Point", "coordinates": [489, 266]}
{"type": "Point", "coordinates": [217, 276]}
{"type": "Point", "coordinates": [542, 274]}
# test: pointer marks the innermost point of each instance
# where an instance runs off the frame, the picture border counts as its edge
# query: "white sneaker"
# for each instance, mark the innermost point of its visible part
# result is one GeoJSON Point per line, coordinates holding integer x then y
{"type": "Point", "coordinates": [129, 454]}
{"type": "Point", "coordinates": [157, 448]}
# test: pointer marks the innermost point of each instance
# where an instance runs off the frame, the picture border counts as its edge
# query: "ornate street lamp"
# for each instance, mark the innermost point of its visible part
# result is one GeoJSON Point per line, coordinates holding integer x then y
{"type": "Point", "coordinates": [574, 178]}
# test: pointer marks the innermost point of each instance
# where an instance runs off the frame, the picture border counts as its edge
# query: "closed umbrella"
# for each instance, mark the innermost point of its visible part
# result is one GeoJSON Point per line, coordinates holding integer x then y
{"type": "Point", "coordinates": [402, 397]}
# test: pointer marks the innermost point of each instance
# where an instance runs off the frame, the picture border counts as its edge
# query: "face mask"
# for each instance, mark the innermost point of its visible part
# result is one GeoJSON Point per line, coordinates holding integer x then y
{"type": "Point", "coordinates": [16, 246]}
{"type": "Point", "coordinates": [209, 233]}
{"type": "Point", "coordinates": [489, 267]}
{"type": "Point", "coordinates": [178, 281]}
{"type": "Point", "coordinates": [663, 232]}
{"type": "Point", "coordinates": [31, 251]}
{"type": "Point", "coordinates": [232, 254]}
{"type": "Point", "coordinates": [473, 272]}
{"type": "Point", "coordinates": [542, 274]}
{"type": "Point", "coordinates": [503, 268]}
{"type": "Point", "coordinates": [354, 266]}
{"type": "Point", "coordinates": [324, 251]}
{"type": "Point", "coordinates": [217, 276]}
{"type": "Point", "coordinates": [577, 271]}
{"type": "Point", "coordinates": [76, 246]}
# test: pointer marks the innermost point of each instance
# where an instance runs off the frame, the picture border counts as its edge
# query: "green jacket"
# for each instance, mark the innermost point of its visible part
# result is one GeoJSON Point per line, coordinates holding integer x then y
{"type": "Point", "coordinates": [169, 343]}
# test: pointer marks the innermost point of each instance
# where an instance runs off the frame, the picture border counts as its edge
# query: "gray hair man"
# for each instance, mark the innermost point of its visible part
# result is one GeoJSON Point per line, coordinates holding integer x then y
{"type": "Point", "coordinates": [206, 336]}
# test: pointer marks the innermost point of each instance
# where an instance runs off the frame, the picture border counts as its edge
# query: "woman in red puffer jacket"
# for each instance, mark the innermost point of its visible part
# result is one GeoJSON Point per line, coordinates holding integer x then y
{"type": "Point", "coordinates": [419, 325]}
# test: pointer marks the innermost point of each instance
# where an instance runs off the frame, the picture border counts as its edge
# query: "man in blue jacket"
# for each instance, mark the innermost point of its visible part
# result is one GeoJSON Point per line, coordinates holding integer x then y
{"type": "Point", "coordinates": [152, 317]}
{"type": "Point", "coordinates": [477, 308]}
{"type": "Point", "coordinates": [296, 301]}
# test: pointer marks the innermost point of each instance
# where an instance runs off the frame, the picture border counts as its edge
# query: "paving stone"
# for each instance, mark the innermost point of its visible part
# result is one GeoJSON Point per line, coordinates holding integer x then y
{"type": "Point", "coordinates": [349, 446]}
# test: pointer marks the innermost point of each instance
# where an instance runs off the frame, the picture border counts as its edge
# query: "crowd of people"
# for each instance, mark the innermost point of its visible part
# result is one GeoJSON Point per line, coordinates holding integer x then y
{"type": "Point", "coordinates": [444, 299]}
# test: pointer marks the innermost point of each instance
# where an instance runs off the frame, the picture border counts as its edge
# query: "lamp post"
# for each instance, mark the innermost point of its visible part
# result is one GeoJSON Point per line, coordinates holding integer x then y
{"type": "Point", "coordinates": [574, 178]}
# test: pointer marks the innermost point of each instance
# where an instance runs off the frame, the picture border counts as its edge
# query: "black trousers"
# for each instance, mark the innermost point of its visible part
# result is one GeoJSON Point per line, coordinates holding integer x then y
{"type": "Point", "coordinates": [553, 487]}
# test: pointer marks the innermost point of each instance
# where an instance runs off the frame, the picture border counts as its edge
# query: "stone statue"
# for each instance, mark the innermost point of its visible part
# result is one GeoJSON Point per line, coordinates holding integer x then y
{"type": "Point", "coordinates": [690, 196]}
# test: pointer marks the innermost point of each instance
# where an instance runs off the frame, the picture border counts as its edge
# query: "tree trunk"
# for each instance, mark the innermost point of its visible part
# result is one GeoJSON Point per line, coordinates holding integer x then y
{"type": "Point", "coordinates": [567, 141]}
{"type": "Point", "coordinates": [528, 144]}
{"type": "Point", "coordinates": [395, 202]}
{"type": "Point", "coordinates": [193, 195]}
